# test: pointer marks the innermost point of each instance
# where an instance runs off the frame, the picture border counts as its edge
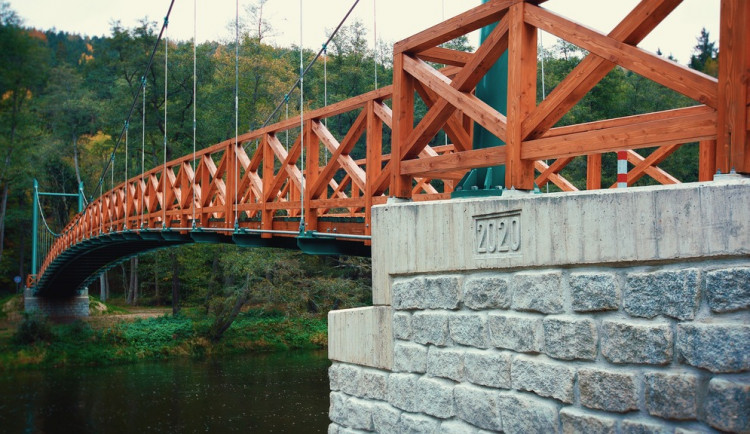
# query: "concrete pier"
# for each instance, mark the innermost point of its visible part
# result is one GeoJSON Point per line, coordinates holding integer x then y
{"type": "Point", "coordinates": [61, 309]}
{"type": "Point", "coordinates": [605, 311]}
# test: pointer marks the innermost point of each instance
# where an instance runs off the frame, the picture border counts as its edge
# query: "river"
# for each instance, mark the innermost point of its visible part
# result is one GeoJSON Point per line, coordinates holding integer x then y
{"type": "Point", "coordinates": [263, 393]}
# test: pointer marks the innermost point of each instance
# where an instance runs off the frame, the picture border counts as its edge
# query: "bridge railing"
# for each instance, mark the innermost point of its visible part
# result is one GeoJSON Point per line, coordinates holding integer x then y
{"type": "Point", "coordinates": [528, 128]}
{"type": "Point", "coordinates": [255, 182]}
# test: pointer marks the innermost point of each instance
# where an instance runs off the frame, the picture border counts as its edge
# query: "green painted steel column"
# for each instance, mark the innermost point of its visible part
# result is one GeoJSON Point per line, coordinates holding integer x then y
{"type": "Point", "coordinates": [34, 227]}
{"type": "Point", "coordinates": [492, 89]}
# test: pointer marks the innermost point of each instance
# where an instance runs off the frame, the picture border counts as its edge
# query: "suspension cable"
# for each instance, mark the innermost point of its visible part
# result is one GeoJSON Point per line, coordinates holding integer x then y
{"type": "Point", "coordinates": [101, 207]}
{"type": "Point", "coordinates": [302, 125]}
{"type": "Point", "coordinates": [375, 39]}
{"type": "Point", "coordinates": [111, 192]}
{"type": "Point", "coordinates": [135, 99]}
{"type": "Point", "coordinates": [127, 187]}
{"type": "Point", "coordinates": [325, 94]}
{"type": "Point", "coordinates": [541, 42]}
{"type": "Point", "coordinates": [236, 106]}
{"type": "Point", "coordinates": [195, 100]}
{"type": "Point", "coordinates": [286, 101]}
{"type": "Point", "coordinates": [142, 186]}
{"type": "Point", "coordinates": [164, 178]}
{"type": "Point", "coordinates": [445, 134]}
{"type": "Point", "coordinates": [44, 219]}
{"type": "Point", "coordinates": [309, 65]}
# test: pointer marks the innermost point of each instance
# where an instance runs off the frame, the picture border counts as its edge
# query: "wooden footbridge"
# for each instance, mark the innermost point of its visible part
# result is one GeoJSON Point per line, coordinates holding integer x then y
{"type": "Point", "coordinates": [254, 191]}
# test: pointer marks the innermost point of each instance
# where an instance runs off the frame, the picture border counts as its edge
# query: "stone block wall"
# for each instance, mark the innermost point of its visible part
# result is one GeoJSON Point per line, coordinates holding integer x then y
{"type": "Point", "coordinates": [66, 308]}
{"type": "Point", "coordinates": [647, 349]}
{"type": "Point", "coordinates": [608, 311]}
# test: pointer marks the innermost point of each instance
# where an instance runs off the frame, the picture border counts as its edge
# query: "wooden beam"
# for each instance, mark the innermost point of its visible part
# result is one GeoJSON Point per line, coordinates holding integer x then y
{"type": "Point", "coordinates": [383, 112]}
{"type": "Point", "coordinates": [358, 202]}
{"type": "Point", "coordinates": [423, 184]}
{"type": "Point", "coordinates": [680, 129]}
{"type": "Point", "coordinates": [522, 61]}
{"type": "Point", "coordinates": [452, 99]}
{"type": "Point", "coordinates": [312, 173]}
{"type": "Point", "coordinates": [679, 78]}
{"type": "Point", "coordinates": [593, 171]}
{"type": "Point", "coordinates": [452, 162]}
{"type": "Point", "coordinates": [445, 56]}
{"type": "Point", "coordinates": [232, 172]}
{"type": "Point", "coordinates": [706, 160]}
{"type": "Point", "coordinates": [547, 171]}
{"type": "Point", "coordinates": [453, 127]}
{"type": "Point", "coordinates": [733, 141]}
{"type": "Point", "coordinates": [288, 170]}
{"type": "Point", "coordinates": [452, 28]}
{"type": "Point", "coordinates": [340, 154]}
{"type": "Point", "coordinates": [552, 176]}
{"type": "Point", "coordinates": [631, 30]}
{"type": "Point", "coordinates": [403, 124]}
{"type": "Point", "coordinates": [630, 120]}
{"type": "Point", "coordinates": [374, 156]}
{"type": "Point", "coordinates": [268, 176]}
{"type": "Point", "coordinates": [455, 93]}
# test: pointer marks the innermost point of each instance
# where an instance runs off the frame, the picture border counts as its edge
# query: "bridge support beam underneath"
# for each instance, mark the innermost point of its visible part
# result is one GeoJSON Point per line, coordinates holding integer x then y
{"type": "Point", "coordinates": [57, 309]}
{"type": "Point", "coordinates": [553, 313]}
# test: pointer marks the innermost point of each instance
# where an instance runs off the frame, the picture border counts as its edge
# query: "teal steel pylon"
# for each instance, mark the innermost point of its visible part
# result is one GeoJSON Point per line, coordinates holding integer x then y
{"type": "Point", "coordinates": [492, 89]}
{"type": "Point", "coordinates": [34, 227]}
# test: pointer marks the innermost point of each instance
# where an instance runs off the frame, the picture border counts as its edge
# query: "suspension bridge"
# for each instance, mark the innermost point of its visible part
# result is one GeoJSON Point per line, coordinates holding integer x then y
{"type": "Point", "coordinates": [254, 191]}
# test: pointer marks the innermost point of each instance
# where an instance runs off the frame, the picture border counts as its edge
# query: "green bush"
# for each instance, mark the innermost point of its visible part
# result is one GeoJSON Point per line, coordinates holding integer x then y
{"type": "Point", "coordinates": [33, 328]}
{"type": "Point", "coordinates": [155, 333]}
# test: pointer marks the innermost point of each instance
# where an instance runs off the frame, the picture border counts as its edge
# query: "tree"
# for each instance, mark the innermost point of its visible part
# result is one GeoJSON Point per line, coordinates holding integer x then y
{"type": "Point", "coordinates": [705, 57]}
{"type": "Point", "coordinates": [70, 109]}
{"type": "Point", "coordinates": [257, 26]}
{"type": "Point", "coordinates": [21, 77]}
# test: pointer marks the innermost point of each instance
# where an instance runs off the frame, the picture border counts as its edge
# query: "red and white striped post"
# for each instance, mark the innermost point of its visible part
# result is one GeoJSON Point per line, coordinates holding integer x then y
{"type": "Point", "coordinates": [622, 169]}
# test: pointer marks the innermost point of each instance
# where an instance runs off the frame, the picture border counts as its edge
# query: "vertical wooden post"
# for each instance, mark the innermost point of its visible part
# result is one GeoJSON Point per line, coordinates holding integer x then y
{"type": "Point", "coordinates": [266, 217]}
{"type": "Point", "coordinates": [205, 183]}
{"type": "Point", "coordinates": [294, 197]}
{"type": "Point", "coordinates": [594, 172]}
{"type": "Point", "coordinates": [403, 124]}
{"type": "Point", "coordinates": [706, 160]}
{"type": "Point", "coordinates": [312, 171]}
{"type": "Point", "coordinates": [374, 159]}
{"type": "Point", "coordinates": [733, 143]}
{"type": "Point", "coordinates": [522, 51]}
{"type": "Point", "coordinates": [229, 197]}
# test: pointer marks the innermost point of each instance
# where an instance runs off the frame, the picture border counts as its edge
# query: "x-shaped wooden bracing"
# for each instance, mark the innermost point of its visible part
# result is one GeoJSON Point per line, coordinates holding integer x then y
{"type": "Point", "coordinates": [539, 140]}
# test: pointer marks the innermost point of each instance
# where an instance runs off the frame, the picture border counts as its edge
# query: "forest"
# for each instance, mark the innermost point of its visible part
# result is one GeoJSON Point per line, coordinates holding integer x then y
{"type": "Point", "coordinates": [65, 99]}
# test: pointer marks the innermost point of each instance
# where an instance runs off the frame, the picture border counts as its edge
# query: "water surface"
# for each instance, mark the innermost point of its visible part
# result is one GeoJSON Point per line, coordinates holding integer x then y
{"type": "Point", "coordinates": [280, 392]}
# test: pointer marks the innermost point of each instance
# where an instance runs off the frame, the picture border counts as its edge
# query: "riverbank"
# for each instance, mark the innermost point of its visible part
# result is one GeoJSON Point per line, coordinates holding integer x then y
{"type": "Point", "coordinates": [148, 334]}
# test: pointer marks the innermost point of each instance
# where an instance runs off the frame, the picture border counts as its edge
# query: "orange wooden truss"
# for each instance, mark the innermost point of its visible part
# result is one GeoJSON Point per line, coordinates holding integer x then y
{"type": "Point", "coordinates": [527, 129]}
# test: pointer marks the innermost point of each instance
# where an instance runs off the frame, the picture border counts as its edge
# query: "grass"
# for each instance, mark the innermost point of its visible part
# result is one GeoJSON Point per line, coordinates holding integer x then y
{"type": "Point", "coordinates": [37, 343]}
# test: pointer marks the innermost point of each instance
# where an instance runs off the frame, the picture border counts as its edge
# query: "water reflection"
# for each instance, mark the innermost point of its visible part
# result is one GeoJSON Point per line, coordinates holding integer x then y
{"type": "Point", "coordinates": [284, 392]}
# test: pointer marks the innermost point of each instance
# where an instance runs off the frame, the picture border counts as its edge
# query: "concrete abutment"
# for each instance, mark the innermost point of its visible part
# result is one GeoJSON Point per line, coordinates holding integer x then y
{"type": "Point", "coordinates": [68, 308]}
{"type": "Point", "coordinates": [608, 311]}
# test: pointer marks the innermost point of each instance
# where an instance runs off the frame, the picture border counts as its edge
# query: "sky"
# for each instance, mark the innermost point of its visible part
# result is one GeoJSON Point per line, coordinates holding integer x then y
{"type": "Point", "coordinates": [394, 19]}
